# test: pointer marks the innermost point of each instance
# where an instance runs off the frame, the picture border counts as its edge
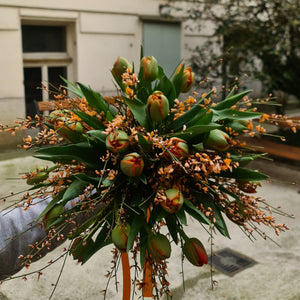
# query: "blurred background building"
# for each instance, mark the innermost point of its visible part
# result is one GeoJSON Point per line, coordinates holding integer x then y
{"type": "Point", "coordinates": [79, 40]}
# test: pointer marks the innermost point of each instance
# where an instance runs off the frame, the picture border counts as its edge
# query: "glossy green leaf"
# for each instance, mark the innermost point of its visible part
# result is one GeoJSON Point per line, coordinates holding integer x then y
{"type": "Point", "coordinates": [208, 202]}
{"type": "Point", "coordinates": [195, 213]}
{"type": "Point", "coordinates": [232, 114]}
{"type": "Point", "coordinates": [83, 227]}
{"type": "Point", "coordinates": [146, 146]}
{"type": "Point", "coordinates": [161, 72]}
{"type": "Point", "coordinates": [89, 120]}
{"type": "Point", "coordinates": [181, 216]}
{"type": "Point", "coordinates": [52, 203]}
{"type": "Point", "coordinates": [172, 227]}
{"type": "Point", "coordinates": [245, 160]}
{"type": "Point", "coordinates": [193, 131]}
{"type": "Point", "coordinates": [199, 147]}
{"type": "Point", "coordinates": [138, 109]}
{"type": "Point", "coordinates": [94, 99]}
{"type": "Point", "coordinates": [167, 88]}
{"type": "Point", "coordinates": [87, 179]}
{"type": "Point", "coordinates": [135, 227]}
{"type": "Point", "coordinates": [230, 101]}
{"type": "Point", "coordinates": [75, 189]}
{"type": "Point", "coordinates": [109, 116]}
{"type": "Point", "coordinates": [244, 174]}
{"type": "Point", "coordinates": [203, 118]}
{"type": "Point", "coordinates": [72, 88]}
{"type": "Point", "coordinates": [189, 115]}
{"type": "Point", "coordinates": [143, 246]}
{"type": "Point", "coordinates": [231, 93]}
{"type": "Point", "coordinates": [81, 152]}
{"type": "Point", "coordinates": [101, 241]}
{"type": "Point", "coordinates": [98, 134]}
{"type": "Point", "coordinates": [143, 178]}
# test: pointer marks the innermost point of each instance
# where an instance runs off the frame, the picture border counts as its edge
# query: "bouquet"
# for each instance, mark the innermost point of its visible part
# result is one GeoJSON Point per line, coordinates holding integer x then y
{"type": "Point", "coordinates": [136, 166]}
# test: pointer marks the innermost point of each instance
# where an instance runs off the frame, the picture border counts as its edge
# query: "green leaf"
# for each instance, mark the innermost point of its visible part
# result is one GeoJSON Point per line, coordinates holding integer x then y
{"type": "Point", "coordinates": [203, 118]}
{"type": "Point", "coordinates": [135, 227]}
{"type": "Point", "coordinates": [143, 178]}
{"type": "Point", "coordinates": [70, 154]}
{"type": "Point", "coordinates": [75, 189]}
{"type": "Point", "coordinates": [172, 227]}
{"type": "Point", "coordinates": [143, 246]}
{"type": "Point", "coordinates": [98, 134]}
{"type": "Point", "coordinates": [52, 203]}
{"type": "Point", "coordinates": [167, 88]}
{"type": "Point", "coordinates": [146, 146]}
{"type": "Point", "coordinates": [245, 160]}
{"type": "Point", "coordinates": [181, 216]}
{"type": "Point", "coordinates": [83, 227]}
{"type": "Point", "coordinates": [161, 72]}
{"type": "Point", "coordinates": [195, 213]}
{"type": "Point", "coordinates": [94, 99]}
{"type": "Point", "coordinates": [72, 88]}
{"type": "Point", "coordinates": [207, 202]}
{"type": "Point", "coordinates": [109, 116]}
{"type": "Point", "coordinates": [193, 131]}
{"type": "Point", "coordinates": [231, 93]}
{"type": "Point", "coordinates": [230, 101]}
{"type": "Point", "coordinates": [190, 114]}
{"type": "Point", "coordinates": [89, 120]}
{"type": "Point", "coordinates": [101, 241]}
{"type": "Point", "coordinates": [232, 114]}
{"type": "Point", "coordinates": [139, 111]}
{"type": "Point", "coordinates": [244, 174]}
{"type": "Point", "coordinates": [199, 147]}
{"type": "Point", "coordinates": [87, 179]}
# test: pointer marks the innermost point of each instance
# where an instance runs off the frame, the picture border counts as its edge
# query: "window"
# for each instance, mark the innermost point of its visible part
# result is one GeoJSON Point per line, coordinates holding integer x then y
{"type": "Point", "coordinates": [47, 55]}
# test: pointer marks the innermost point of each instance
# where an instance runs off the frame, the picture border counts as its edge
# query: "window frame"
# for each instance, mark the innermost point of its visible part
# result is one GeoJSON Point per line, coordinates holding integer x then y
{"type": "Point", "coordinates": [52, 59]}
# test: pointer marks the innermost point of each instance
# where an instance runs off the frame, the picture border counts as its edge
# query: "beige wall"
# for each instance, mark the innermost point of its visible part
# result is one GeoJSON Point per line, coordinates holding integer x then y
{"type": "Point", "coordinates": [99, 31]}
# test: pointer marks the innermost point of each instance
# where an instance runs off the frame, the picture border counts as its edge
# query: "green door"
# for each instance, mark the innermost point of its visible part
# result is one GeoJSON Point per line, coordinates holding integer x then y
{"type": "Point", "coordinates": [162, 40]}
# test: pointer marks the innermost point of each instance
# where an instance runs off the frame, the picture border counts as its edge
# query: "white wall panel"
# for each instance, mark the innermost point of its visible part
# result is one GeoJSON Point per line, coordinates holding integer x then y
{"type": "Point", "coordinates": [108, 23]}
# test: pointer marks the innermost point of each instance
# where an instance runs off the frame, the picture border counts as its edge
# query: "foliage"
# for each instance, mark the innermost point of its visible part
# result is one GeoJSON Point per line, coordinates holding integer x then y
{"type": "Point", "coordinates": [260, 38]}
{"type": "Point", "coordinates": [134, 165]}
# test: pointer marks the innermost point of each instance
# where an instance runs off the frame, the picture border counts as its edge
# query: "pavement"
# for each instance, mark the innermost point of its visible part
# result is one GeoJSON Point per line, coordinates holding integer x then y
{"type": "Point", "coordinates": [276, 275]}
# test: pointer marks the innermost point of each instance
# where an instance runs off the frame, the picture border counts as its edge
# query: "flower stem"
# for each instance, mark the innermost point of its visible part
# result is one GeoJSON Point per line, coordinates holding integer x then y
{"type": "Point", "coordinates": [126, 276]}
{"type": "Point", "coordinates": [147, 288]}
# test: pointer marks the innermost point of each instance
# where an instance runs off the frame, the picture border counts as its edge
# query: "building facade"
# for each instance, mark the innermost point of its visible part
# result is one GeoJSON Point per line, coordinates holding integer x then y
{"type": "Point", "coordinates": [80, 40]}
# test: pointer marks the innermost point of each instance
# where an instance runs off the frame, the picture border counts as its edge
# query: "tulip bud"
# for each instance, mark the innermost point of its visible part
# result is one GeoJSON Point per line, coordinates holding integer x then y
{"type": "Point", "coordinates": [117, 141]}
{"type": "Point", "coordinates": [120, 67]}
{"type": "Point", "coordinates": [187, 79]}
{"type": "Point", "coordinates": [132, 164]}
{"type": "Point", "coordinates": [173, 202]}
{"type": "Point", "coordinates": [178, 147]}
{"type": "Point", "coordinates": [157, 106]}
{"type": "Point", "coordinates": [58, 113]}
{"type": "Point", "coordinates": [53, 215]}
{"type": "Point", "coordinates": [149, 68]}
{"type": "Point", "coordinates": [119, 236]}
{"type": "Point", "coordinates": [38, 175]}
{"type": "Point", "coordinates": [80, 246]}
{"type": "Point", "coordinates": [195, 252]}
{"type": "Point", "coordinates": [217, 140]}
{"type": "Point", "coordinates": [159, 246]}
